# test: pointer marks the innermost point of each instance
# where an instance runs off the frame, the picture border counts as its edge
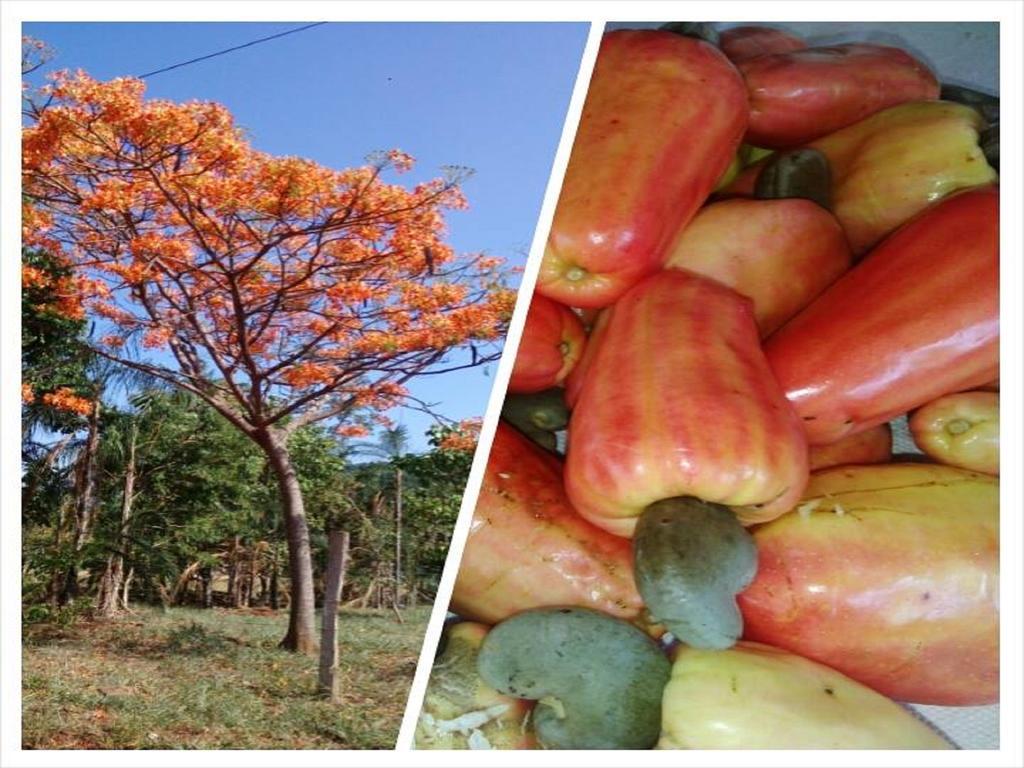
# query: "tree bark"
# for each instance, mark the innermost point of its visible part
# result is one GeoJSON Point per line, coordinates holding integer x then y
{"type": "Point", "coordinates": [275, 594]}
{"type": "Point", "coordinates": [206, 576]}
{"type": "Point", "coordinates": [59, 575]}
{"type": "Point", "coordinates": [85, 501]}
{"type": "Point", "coordinates": [234, 582]}
{"type": "Point", "coordinates": [301, 635]}
{"type": "Point", "coordinates": [250, 593]}
{"type": "Point", "coordinates": [414, 581]}
{"type": "Point", "coordinates": [181, 585]}
{"type": "Point", "coordinates": [127, 588]}
{"type": "Point", "coordinates": [382, 576]}
{"type": "Point", "coordinates": [334, 583]}
{"type": "Point", "coordinates": [365, 600]}
{"type": "Point", "coordinates": [108, 598]}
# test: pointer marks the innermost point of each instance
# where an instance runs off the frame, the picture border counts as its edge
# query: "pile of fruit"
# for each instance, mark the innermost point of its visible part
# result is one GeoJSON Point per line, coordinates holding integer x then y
{"type": "Point", "coordinates": [763, 253]}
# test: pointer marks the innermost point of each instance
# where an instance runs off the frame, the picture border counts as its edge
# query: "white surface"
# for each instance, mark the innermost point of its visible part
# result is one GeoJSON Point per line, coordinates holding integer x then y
{"type": "Point", "coordinates": [967, 727]}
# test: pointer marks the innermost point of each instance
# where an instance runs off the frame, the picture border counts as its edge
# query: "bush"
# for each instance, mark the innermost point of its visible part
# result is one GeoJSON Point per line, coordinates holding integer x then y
{"type": "Point", "coordinates": [62, 616]}
{"type": "Point", "coordinates": [194, 639]}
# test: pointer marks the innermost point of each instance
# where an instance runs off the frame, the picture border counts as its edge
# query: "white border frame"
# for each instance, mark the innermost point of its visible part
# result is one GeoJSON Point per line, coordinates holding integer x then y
{"type": "Point", "coordinates": [1008, 12]}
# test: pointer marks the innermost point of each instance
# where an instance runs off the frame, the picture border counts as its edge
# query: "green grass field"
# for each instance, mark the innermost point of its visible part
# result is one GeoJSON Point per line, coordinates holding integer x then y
{"type": "Point", "coordinates": [195, 679]}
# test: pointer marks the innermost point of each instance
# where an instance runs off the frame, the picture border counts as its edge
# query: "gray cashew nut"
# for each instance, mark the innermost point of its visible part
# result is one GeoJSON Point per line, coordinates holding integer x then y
{"type": "Point", "coordinates": [691, 558]}
{"type": "Point", "coordinates": [598, 680]}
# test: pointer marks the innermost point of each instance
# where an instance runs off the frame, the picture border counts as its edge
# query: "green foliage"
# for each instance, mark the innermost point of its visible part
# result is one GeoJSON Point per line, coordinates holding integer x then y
{"type": "Point", "coordinates": [53, 352]}
{"type": "Point", "coordinates": [204, 497]}
{"type": "Point", "coordinates": [432, 488]}
{"type": "Point", "coordinates": [196, 639]}
{"type": "Point", "coordinates": [48, 472]}
{"type": "Point", "coordinates": [437, 480]}
{"type": "Point", "coordinates": [198, 483]}
{"type": "Point", "coordinates": [60, 617]}
{"type": "Point", "coordinates": [322, 467]}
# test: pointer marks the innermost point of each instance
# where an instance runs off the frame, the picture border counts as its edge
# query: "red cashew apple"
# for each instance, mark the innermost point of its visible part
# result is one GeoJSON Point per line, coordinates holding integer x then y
{"type": "Point", "coordinates": [552, 342]}
{"type": "Point", "coordinates": [663, 118]}
{"type": "Point", "coordinates": [741, 43]}
{"type": "Point", "coordinates": [872, 446]}
{"type": "Point", "coordinates": [678, 400]}
{"type": "Point", "coordinates": [528, 548]}
{"type": "Point", "coordinates": [889, 574]}
{"type": "Point", "coordinates": [798, 96]}
{"type": "Point", "coordinates": [779, 253]}
{"type": "Point", "coordinates": [574, 381]}
{"type": "Point", "coordinates": [888, 168]}
{"type": "Point", "coordinates": [917, 319]}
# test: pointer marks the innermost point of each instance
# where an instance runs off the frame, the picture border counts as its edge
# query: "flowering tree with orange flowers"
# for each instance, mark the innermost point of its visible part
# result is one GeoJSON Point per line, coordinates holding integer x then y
{"type": "Point", "coordinates": [460, 437]}
{"type": "Point", "coordinates": [279, 291]}
{"type": "Point", "coordinates": [52, 322]}
{"type": "Point", "coordinates": [52, 315]}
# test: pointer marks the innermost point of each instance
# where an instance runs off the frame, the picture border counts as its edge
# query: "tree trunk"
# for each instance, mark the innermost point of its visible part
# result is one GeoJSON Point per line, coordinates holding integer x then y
{"type": "Point", "coordinates": [398, 540]}
{"type": "Point", "coordinates": [109, 596]}
{"type": "Point", "coordinates": [85, 501]}
{"type": "Point", "coordinates": [414, 582]}
{"type": "Point", "coordinates": [250, 594]}
{"type": "Point", "coordinates": [334, 582]}
{"type": "Point", "coordinates": [166, 598]}
{"type": "Point", "coordinates": [365, 600]}
{"type": "Point", "coordinates": [383, 579]}
{"type": "Point", "coordinates": [234, 582]}
{"type": "Point", "coordinates": [275, 594]}
{"type": "Point", "coordinates": [59, 574]}
{"type": "Point", "coordinates": [181, 585]}
{"type": "Point", "coordinates": [206, 577]}
{"type": "Point", "coordinates": [301, 636]}
{"type": "Point", "coordinates": [127, 588]}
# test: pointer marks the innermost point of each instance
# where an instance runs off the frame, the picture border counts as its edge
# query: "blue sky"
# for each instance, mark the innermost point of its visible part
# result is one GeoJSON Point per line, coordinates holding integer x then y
{"type": "Point", "coordinates": [488, 96]}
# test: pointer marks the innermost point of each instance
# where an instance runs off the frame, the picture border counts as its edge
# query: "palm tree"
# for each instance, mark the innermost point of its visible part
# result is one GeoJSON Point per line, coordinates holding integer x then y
{"type": "Point", "coordinates": [392, 446]}
{"type": "Point", "coordinates": [104, 380]}
{"type": "Point", "coordinates": [121, 447]}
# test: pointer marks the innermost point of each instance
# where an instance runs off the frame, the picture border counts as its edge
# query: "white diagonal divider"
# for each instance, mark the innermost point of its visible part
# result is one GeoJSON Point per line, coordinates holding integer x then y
{"type": "Point", "coordinates": [483, 448]}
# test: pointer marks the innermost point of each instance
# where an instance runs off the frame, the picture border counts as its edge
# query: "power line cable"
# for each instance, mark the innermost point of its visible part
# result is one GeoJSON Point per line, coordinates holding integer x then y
{"type": "Point", "coordinates": [234, 48]}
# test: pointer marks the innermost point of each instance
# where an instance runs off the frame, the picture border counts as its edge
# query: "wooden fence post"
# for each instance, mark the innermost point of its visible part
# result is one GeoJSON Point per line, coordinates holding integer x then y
{"type": "Point", "coordinates": [337, 562]}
